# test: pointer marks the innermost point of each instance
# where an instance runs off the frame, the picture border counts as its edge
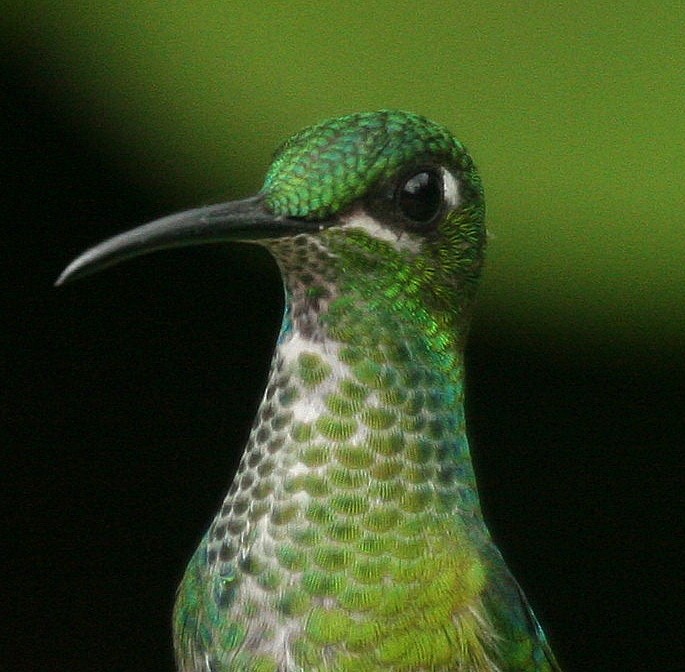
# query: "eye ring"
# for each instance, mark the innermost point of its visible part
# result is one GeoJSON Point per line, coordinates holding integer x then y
{"type": "Point", "coordinates": [420, 195]}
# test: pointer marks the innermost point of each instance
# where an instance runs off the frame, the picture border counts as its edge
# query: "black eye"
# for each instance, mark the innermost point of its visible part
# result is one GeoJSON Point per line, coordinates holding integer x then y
{"type": "Point", "coordinates": [419, 197]}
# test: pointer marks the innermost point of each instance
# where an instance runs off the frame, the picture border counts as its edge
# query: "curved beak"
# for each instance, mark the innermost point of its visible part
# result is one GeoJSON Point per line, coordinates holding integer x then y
{"type": "Point", "coordinates": [246, 220]}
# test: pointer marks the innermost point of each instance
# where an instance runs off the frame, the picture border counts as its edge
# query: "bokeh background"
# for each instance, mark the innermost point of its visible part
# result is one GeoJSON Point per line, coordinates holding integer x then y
{"type": "Point", "coordinates": [127, 397]}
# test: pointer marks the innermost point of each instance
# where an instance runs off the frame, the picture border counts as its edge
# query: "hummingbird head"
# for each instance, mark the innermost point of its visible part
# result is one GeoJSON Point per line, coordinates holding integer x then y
{"type": "Point", "coordinates": [387, 200]}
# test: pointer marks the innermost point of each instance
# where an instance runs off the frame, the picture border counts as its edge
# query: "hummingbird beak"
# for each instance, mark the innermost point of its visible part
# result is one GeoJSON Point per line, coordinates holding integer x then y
{"type": "Point", "coordinates": [245, 220]}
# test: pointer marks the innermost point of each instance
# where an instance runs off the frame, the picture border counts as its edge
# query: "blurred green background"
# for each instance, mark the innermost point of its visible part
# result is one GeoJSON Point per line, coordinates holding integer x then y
{"type": "Point", "coordinates": [127, 397]}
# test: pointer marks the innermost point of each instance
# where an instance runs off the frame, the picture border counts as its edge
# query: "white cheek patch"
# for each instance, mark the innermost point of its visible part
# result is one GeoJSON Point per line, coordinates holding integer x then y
{"type": "Point", "coordinates": [362, 220]}
{"type": "Point", "coordinates": [451, 189]}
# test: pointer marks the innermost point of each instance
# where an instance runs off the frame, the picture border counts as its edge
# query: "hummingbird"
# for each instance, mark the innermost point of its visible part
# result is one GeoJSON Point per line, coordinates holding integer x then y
{"type": "Point", "coordinates": [351, 538]}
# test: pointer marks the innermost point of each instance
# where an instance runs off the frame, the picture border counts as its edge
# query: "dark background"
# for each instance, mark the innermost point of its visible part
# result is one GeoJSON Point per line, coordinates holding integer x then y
{"type": "Point", "coordinates": [127, 397]}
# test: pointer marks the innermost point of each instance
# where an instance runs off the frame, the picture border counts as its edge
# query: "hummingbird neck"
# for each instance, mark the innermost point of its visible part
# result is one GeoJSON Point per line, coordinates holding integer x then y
{"type": "Point", "coordinates": [361, 380]}
{"type": "Point", "coordinates": [362, 369]}
{"type": "Point", "coordinates": [357, 461]}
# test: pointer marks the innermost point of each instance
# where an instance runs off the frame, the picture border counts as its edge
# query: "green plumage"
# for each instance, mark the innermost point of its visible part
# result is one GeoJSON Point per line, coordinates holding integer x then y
{"type": "Point", "coordinates": [351, 538]}
{"type": "Point", "coordinates": [324, 168]}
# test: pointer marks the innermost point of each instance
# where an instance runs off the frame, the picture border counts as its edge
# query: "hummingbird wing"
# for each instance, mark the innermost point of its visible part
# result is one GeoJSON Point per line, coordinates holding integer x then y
{"type": "Point", "coordinates": [522, 643]}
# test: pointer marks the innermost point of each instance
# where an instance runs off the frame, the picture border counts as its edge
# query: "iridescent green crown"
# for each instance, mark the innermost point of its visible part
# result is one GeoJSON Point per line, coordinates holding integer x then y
{"type": "Point", "coordinates": [324, 168]}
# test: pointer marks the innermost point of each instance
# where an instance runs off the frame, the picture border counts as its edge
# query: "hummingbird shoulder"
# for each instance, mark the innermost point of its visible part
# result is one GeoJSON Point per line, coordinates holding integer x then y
{"type": "Point", "coordinates": [351, 537]}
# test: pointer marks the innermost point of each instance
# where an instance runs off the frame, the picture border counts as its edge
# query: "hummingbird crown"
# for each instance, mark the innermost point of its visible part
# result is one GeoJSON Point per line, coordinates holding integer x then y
{"type": "Point", "coordinates": [323, 168]}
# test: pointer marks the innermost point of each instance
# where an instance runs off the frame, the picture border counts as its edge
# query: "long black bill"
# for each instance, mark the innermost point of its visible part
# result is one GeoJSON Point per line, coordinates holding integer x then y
{"type": "Point", "coordinates": [246, 220]}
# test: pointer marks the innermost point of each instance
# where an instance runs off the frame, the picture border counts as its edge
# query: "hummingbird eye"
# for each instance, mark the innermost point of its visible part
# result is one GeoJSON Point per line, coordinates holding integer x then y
{"type": "Point", "coordinates": [420, 197]}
